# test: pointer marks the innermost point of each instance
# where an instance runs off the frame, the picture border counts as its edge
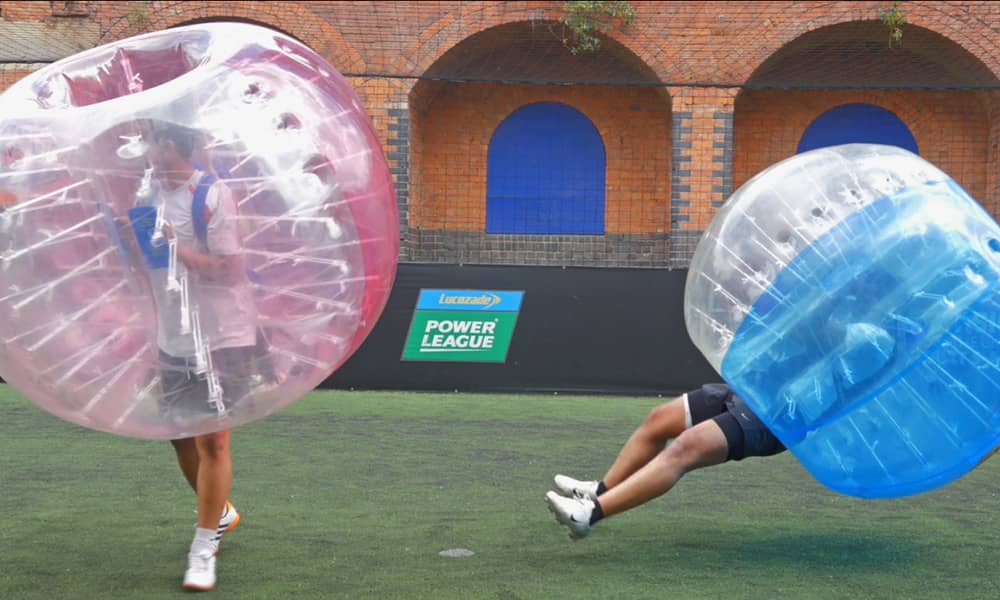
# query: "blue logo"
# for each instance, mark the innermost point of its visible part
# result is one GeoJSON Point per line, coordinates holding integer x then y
{"type": "Point", "coordinates": [473, 300]}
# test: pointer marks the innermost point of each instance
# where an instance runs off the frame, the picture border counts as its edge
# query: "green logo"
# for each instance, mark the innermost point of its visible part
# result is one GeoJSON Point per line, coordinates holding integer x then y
{"type": "Point", "coordinates": [474, 326]}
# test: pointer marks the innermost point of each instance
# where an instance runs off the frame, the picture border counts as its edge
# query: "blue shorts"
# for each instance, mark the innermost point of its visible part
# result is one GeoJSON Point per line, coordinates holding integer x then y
{"type": "Point", "coordinates": [745, 433]}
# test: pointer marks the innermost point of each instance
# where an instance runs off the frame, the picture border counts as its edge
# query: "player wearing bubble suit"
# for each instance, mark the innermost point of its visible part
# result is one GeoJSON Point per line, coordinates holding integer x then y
{"type": "Point", "coordinates": [865, 278]}
{"type": "Point", "coordinates": [702, 428]}
{"type": "Point", "coordinates": [317, 212]}
{"type": "Point", "coordinates": [216, 285]}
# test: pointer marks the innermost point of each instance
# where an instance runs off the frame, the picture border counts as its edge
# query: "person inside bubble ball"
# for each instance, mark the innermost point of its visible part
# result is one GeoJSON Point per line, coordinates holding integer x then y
{"type": "Point", "coordinates": [704, 427]}
{"type": "Point", "coordinates": [206, 331]}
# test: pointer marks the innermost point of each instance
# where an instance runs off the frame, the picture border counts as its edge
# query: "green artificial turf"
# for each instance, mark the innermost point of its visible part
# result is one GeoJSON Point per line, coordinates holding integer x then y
{"type": "Point", "coordinates": [355, 494]}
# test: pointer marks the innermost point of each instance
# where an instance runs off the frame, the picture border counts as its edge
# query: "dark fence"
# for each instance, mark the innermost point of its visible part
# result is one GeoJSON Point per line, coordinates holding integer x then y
{"type": "Point", "coordinates": [582, 330]}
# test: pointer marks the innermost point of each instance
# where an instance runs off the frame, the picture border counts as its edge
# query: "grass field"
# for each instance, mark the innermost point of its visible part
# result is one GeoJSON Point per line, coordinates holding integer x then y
{"type": "Point", "coordinates": [353, 495]}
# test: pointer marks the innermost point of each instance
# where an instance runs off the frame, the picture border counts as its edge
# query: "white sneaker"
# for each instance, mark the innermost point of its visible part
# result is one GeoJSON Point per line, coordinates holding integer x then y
{"type": "Point", "coordinates": [573, 512]}
{"type": "Point", "coordinates": [569, 487]}
{"type": "Point", "coordinates": [200, 574]}
{"type": "Point", "coordinates": [228, 522]}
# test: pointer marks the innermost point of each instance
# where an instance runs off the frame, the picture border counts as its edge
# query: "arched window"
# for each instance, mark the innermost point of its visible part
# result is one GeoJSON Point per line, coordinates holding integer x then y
{"type": "Point", "coordinates": [857, 123]}
{"type": "Point", "coordinates": [545, 173]}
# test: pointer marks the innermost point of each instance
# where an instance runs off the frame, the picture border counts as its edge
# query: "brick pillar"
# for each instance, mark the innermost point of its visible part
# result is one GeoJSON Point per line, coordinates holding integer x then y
{"type": "Point", "coordinates": [398, 153]}
{"type": "Point", "coordinates": [682, 243]}
{"type": "Point", "coordinates": [387, 103]}
{"type": "Point", "coordinates": [991, 200]}
{"type": "Point", "coordinates": [702, 164]}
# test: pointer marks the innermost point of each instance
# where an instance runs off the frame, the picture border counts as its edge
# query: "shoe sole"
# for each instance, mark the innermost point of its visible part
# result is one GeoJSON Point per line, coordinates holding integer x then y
{"type": "Point", "coordinates": [198, 588]}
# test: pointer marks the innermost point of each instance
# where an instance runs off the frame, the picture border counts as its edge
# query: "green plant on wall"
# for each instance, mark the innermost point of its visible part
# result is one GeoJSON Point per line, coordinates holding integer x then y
{"type": "Point", "coordinates": [583, 21]}
{"type": "Point", "coordinates": [893, 19]}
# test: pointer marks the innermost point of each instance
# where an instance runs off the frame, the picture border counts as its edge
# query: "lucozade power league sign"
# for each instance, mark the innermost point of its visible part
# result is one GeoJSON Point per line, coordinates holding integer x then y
{"type": "Point", "coordinates": [462, 325]}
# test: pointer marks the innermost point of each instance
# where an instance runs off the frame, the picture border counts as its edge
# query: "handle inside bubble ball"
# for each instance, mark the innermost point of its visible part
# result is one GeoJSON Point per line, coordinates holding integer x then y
{"type": "Point", "coordinates": [144, 220]}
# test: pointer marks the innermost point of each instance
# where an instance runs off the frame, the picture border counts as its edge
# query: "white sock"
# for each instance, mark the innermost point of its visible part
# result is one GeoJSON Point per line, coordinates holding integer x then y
{"type": "Point", "coordinates": [204, 540]}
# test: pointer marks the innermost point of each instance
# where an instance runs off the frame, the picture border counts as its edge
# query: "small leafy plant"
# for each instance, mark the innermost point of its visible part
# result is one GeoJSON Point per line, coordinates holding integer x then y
{"type": "Point", "coordinates": [893, 19]}
{"type": "Point", "coordinates": [583, 21]}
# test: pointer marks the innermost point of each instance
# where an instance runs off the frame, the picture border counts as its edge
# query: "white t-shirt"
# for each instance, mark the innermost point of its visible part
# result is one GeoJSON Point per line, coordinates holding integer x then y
{"type": "Point", "coordinates": [226, 309]}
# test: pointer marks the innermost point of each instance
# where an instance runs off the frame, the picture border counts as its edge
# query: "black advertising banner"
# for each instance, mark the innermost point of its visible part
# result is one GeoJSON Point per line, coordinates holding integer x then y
{"type": "Point", "coordinates": [583, 330]}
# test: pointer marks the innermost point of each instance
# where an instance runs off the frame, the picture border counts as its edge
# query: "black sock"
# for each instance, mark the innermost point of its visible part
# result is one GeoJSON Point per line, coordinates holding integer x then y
{"type": "Point", "coordinates": [597, 514]}
{"type": "Point", "coordinates": [601, 488]}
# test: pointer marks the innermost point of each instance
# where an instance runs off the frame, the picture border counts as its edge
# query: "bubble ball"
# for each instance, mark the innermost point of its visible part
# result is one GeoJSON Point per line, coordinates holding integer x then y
{"type": "Point", "coordinates": [198, 227]}
{"type": "Point", "coordinates": [849, 296]}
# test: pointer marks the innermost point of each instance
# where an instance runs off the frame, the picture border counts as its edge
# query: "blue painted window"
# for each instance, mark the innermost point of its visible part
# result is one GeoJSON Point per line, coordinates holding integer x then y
{"type": "Point", "coordinates": [857, 123]}
{"type": "Point", "coordinates": [545, 173]}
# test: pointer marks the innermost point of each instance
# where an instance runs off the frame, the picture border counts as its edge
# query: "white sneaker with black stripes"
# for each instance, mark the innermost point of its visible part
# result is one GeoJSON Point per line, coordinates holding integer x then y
{"type": "Point", "coordinates": [573, 512]}
{"type": "Point", "coordinates": [228, 522]}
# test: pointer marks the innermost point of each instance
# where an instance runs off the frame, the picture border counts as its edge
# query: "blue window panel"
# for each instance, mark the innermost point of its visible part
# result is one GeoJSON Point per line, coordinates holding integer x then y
{"type": "Point", "coordinates": [545, 173]}
{"type": "Point", "coordinates": [857, 123]}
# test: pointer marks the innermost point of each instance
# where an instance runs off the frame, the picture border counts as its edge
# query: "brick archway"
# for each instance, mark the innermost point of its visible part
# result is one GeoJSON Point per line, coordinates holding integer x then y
{"type": "Point", "coordinates": [953, 129]}
{"type": "Point", "coordinates": [777, 28]}
{"type": "Point", "coordinates": [295, 19]}
{"type": "Point", "coordinates": [475, 18]}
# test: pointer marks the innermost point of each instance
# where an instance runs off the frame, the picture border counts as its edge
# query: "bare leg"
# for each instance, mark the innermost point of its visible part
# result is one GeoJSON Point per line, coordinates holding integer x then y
{"type": "Point", "coordinates": [663, 423]}
{"type": "Point", "coordinates": [701, 446]}
{"type": "Point", "coordinates": [187, 458]}
{"type": "Point", "coordinates": [215, 477]}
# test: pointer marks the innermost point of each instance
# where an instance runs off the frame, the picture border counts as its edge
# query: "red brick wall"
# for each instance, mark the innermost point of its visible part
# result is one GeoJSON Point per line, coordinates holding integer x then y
{"type": "Point", "coordinates": [452, 130]}
{"type": "Point", "coordinates": [686, 44]}
{"type": "Point", "coordinates": [121, 19]}
{"type": "Point", "coordinates": [26, 11]}
{"type": "Point", "coordinates": [9, 76]}
{"type": "Point", "coordinates": [951, 128]}
{"type": "Point", "coordinates": [991, 199]}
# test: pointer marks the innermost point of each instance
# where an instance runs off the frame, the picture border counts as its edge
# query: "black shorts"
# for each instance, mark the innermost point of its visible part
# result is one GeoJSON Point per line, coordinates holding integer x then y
{"type": "Point", "coordinates": [186, 393]}
{"type": "Point", "coordinates": [745, 433]}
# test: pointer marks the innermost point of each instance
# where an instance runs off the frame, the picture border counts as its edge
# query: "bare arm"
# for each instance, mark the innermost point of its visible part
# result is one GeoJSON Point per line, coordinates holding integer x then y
{"type": "Point", "coordinates": [208, 265]}
{"type": "Point", "coordinates": [212, 267]}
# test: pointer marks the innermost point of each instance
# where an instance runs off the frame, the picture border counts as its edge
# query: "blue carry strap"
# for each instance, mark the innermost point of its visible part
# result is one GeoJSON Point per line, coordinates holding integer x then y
{"type": "Point", "coordinates": [198, 218]}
